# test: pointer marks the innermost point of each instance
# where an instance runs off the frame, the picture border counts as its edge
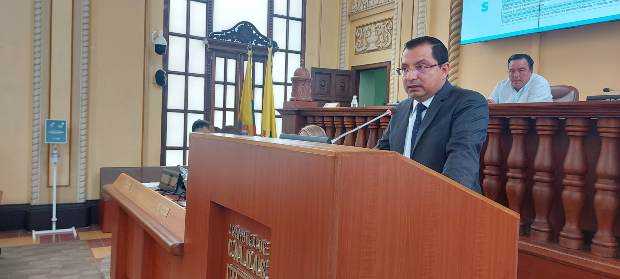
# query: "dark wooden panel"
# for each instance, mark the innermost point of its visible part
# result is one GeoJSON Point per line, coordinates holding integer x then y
{"type": "Point", "coordinates": [37, 217]}
{"type": "Point", "coordinates": [321, 86]}
{"type": "Point", "coordinates": [332, 85]}
{"type": "Point", "coordinates": [343, 87]}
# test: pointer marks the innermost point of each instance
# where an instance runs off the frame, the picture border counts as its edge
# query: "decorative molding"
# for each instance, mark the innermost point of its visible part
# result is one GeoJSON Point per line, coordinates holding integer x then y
{"type": "Point", "coordinates": [37, 88]}
{"type": "Point", "coordinates": [244, 33]}
{"type": "Point", "coordinates": [359, 6]}
{"type": "Point", "coordinates": [84, 90]}
{"type": "Point", "coordinates": [454, 44]}
{"type": "Point", "coordinates": [421, 18]}
{"type": "Point", "coordinates": [393, 94]}
{"type": "Point", "coordinates": [344, 35]}
{"type": "Point", "coordinates": [374, 36]}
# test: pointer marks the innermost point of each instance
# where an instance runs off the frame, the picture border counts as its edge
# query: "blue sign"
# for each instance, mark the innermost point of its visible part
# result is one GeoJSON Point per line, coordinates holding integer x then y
{"type": "Point", "coordinates": [55, 131]}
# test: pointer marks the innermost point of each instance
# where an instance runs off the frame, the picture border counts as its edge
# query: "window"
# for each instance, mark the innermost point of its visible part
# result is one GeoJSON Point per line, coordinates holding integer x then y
{"type": "Point", "coordinates": [225, 98]}
{"type": "Point", "coordinates": [288, 25]}
{"type": "Point", "coordinates": [202, 85]}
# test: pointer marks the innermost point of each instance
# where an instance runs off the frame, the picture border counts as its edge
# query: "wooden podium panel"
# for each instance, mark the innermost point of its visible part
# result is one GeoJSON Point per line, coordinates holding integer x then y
{"type": "Point", "coordinates": [287, 209]}
{"type": "Point", "coordinates": [268, 208]}
{"type": "Point", "coordinates": [148, 238]}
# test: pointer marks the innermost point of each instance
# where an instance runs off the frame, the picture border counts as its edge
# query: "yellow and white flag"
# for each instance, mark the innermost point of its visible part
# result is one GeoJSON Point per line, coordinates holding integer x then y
{"type": "Point", "coordinates": [268, 121]}
{"type": "Point", "coordinates": [246, 116]}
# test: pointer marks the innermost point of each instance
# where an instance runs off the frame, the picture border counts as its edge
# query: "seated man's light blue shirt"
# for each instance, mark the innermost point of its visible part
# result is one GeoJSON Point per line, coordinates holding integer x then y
{"type": "Point", "coordinates": [535, 90]}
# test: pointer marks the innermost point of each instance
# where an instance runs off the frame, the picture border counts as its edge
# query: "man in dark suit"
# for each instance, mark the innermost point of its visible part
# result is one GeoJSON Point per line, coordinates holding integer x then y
{"type": "Point", "coordinates": [440, 126]}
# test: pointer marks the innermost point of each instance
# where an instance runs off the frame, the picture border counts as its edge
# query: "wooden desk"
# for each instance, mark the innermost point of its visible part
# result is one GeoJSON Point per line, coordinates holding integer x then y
{"type": "Point", "coordinates": [149, 234]}
{"type": "Point", "coordinates": [107, 175]}
{"type": "Point", "coordinates": [289, 209]}
{"type": "Point", "coordinates": [557, 164]}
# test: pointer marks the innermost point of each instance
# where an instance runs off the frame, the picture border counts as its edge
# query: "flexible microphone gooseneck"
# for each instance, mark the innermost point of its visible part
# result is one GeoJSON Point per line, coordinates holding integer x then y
{"type": "Point", "coordinates": [388, 112]}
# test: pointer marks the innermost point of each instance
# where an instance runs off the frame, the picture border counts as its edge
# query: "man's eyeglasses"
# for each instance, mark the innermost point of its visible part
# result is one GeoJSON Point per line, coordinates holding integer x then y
{"type": "Point", "coordinates": [420, 69]}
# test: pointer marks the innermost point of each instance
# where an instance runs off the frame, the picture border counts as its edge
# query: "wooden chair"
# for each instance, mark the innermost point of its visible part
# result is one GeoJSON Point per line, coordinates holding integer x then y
{"type": "Point", "coordinates": [564, 93]}
{"type": "Point", "coordinates": [312, 130]}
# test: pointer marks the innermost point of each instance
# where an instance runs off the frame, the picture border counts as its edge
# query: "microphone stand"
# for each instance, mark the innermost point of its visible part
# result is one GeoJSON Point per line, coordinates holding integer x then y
{"type": "Point", "coordinates": [388, 112]}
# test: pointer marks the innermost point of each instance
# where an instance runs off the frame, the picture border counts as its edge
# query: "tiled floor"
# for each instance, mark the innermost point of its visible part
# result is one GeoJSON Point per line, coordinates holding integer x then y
{"type": "Point", "coordinates": [100, 243]}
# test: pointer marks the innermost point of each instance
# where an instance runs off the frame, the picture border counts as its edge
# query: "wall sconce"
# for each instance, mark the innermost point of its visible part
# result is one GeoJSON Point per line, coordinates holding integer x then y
{"type": "Point", "coordinates": [159, 42]}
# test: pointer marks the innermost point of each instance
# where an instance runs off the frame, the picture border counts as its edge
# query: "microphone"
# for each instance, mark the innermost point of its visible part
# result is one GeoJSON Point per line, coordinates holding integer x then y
{"type": "Point", "coordinates": [387, 112]}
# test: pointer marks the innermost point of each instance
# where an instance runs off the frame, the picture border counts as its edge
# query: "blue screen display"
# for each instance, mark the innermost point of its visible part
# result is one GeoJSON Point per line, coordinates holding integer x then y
{"type": "Point", "coordinates": [485, 20]}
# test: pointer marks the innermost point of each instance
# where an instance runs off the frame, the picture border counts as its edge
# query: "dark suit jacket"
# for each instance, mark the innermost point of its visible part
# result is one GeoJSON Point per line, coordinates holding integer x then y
{"type": "Point", "coordinates": [451, 134]}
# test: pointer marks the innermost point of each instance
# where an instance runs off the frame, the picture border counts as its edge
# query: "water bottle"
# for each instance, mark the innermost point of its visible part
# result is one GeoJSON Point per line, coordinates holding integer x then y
{"type": "Point", "coordinates": [354, 102]}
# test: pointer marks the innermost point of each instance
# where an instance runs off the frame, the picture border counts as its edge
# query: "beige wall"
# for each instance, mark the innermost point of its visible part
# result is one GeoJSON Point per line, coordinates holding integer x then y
{"type": "Point", "coordinates": [370, 57]}
{"type": "Point", "coordinates": [586, 57]}
{"type": "Point", "coordinates": [124, 104]}
{"type": "Point", "coordinates": [322, 29]}
{"type": "Point", "coordinates": [439, 19]}
{"type": "Point", "coordinates": [116, 87]}
{"type": "Point", "coordinates": [152, 95]}
{"type": "Point", "coordinates": [16, 19]}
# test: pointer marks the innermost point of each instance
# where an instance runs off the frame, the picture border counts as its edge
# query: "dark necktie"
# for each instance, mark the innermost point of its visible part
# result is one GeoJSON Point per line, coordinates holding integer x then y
{"type": "Point", "coordinates": [419, 109]}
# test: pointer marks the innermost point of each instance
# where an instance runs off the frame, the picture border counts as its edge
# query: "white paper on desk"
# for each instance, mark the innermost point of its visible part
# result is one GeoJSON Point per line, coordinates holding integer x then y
{"type": "Point", "coordinates": [151, 185]}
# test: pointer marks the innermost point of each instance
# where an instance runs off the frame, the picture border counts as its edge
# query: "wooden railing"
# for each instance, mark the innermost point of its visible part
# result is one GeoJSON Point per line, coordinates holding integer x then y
{"type": "Point", "coordinates": [558, 165]}
{"type": "Point", "coordinates": [337, 121]}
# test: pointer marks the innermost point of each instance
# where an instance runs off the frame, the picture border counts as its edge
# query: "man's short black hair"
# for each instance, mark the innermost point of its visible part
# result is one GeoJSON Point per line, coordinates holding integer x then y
{"type": "Point", "coordinates": [440, 52]}
{"type": "Point", "coordinates": [200, 124]}
{"type": "Point", "coordinates": [527, 58]}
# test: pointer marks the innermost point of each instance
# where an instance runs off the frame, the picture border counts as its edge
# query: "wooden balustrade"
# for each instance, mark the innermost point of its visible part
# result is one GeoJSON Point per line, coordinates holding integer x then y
{"type": "Point", "coordinates": [329, 126]}
{"type": "Point", "coordinates": [373, 134]}
{"type": "Point", "coordinates": [349, 124]}
{"type": "Point", "coordinates": [542, 191]}
{"type": "Point", "coordinates": [573, 195]}
{"type": "Point", "coordinates": [607, 188]}
{"type": "Point", "coordinates": [338, 123]}
{"type": "Point", "coordinates": [558, 165]}
{"type": "Point", "coordinates": [517, 164]}
{"type": "Point", "coordinates": [360, 139]}
{"type": "Point", "coordinates": [492, 165]}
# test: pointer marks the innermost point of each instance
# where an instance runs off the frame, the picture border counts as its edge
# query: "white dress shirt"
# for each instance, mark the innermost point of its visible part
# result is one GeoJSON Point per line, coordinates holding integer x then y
{"type": "Point", "coordinates": [535, 90]}
{"type": "Point", "coordinates": [427, 103]}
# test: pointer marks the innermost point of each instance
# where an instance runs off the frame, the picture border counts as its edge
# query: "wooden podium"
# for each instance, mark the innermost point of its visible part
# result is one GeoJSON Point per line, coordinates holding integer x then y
{"type": "Point", "coordinates": [270, 208]}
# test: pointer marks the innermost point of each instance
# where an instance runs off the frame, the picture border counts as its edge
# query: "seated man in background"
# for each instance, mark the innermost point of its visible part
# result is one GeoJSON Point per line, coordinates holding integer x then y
{"type": "Point", "coordinates": [202, 126]}
{"type": "Point", "coordinates": [522, 85]}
